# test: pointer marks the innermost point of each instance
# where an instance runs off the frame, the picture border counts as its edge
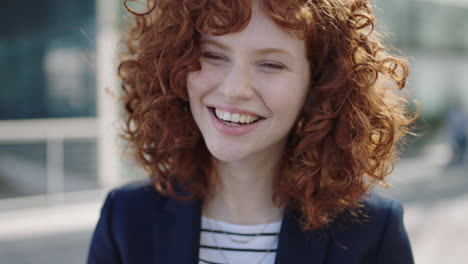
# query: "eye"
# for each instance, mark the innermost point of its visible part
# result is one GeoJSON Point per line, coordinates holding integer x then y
{"type": "Point", "coordinates": [212, 56]}
{"type": "Point", "coordinates": [272, 65]}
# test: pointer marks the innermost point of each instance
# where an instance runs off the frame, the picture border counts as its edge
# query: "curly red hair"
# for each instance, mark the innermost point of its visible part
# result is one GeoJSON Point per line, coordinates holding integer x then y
{"type": "Point", "coordinates": [345, 139]}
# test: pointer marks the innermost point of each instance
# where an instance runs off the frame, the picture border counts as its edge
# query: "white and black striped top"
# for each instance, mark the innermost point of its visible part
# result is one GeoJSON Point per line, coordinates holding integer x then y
{"type": "Point", "coordinates": [226, 243]}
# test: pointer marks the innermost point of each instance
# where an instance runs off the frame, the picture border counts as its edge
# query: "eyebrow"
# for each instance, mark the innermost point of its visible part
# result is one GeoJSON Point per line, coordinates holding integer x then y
{"type": "Point", "coordinates": [274, 50]}
{"type": "Point", "coordinates": [215, 43]}
{"type": "Point", "coordinates": [258, 51]}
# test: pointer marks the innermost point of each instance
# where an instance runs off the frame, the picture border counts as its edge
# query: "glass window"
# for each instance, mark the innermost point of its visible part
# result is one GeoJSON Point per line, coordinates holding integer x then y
{"type": "Point", "coordinates": [47, 51]}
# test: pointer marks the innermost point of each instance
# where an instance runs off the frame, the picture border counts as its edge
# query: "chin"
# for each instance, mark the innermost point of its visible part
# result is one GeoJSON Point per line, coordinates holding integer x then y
{"type": "Point", "coordinates": [227, 154]}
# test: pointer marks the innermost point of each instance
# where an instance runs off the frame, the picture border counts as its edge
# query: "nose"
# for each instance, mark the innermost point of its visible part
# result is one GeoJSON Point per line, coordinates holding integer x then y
{"type": "Point", "coordinates": [237, 83]}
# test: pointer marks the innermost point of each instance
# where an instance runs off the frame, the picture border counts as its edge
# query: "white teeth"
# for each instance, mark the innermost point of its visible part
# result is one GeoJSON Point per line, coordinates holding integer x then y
{"type": "Point", "coordinates": [227, 116]}
{"type": "Point", "coordinates": [235, 117]}
{"type": "Point", "coordinates": [242, 119]}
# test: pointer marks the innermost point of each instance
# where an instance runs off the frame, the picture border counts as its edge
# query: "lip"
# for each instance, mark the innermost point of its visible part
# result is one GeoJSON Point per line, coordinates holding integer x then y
{"type": "Point", "coordinates": [232, 130]}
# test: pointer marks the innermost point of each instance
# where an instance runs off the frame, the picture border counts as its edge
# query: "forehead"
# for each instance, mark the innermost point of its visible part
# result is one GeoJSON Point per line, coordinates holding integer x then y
{"type": "Point", "coordinates": [260, 33]}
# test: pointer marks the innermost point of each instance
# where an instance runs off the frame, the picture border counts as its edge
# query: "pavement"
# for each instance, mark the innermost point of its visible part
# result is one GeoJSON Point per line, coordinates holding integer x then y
{"type": "Point", "coordinates": [51, 230]}
{"type": "Point", "coordinates": [434, 195]}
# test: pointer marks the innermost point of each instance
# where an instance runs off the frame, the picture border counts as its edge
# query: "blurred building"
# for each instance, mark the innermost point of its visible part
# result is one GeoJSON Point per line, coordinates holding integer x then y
{"type": "Point", "coordinates": [47, 59]}
{"type": "Point", "coordinates": [58, 125]}
{"type": "Point", "coordinates": [433, 34]}
{"type": "Point", "coordinates": [57, 60]}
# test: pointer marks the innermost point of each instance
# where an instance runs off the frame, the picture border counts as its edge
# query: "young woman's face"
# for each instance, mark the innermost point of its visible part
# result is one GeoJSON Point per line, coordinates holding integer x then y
{"type": "Point", "coordinates": [250, 89]}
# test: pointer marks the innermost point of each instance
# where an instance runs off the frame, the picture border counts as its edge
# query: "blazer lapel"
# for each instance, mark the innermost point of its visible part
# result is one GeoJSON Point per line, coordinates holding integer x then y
{"type": "Point", "coordinates": [296, 246]}
{"type": "Point", "coordinates": [184, 231]}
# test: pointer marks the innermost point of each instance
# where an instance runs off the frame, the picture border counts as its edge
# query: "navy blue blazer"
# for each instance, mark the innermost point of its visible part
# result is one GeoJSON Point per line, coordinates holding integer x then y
{"type": "Point", "coordinates": [138, 226]}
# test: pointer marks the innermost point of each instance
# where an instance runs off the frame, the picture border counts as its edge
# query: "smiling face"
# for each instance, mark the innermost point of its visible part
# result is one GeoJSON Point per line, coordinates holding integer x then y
{"type": "Point", "coordinates": [250, 89]}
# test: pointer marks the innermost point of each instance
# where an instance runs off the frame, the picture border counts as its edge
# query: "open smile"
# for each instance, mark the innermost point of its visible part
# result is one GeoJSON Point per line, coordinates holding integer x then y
{"type": "Point", "coordinates": [233, 123]}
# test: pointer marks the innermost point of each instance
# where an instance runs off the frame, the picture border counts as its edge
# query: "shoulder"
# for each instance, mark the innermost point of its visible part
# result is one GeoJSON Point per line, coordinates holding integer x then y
{"type": "Point", "coordinates": [393, 241]}
{"type": "Point", "coordinates": [374, 211]}
{"type": "Point", "coordinates": [377, 234]}
{"type": "Point", "coordinates": [141, 190]}
{"type": "Point", "coordinates": [132, 218]}
{"type": "Point", "coordinates": [380, 208]}
{"type": "Point", "coordinates": [374, 215]}
{"type": "Point", "coordinates": [134, 200]}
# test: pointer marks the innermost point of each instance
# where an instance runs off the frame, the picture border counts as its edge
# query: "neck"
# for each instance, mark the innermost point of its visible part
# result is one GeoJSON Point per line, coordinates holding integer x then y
{"type": "Point", "coordinates": [243, 194]}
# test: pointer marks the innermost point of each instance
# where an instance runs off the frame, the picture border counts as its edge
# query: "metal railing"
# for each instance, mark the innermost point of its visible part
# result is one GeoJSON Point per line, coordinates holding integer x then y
{"type": "Point", "coordinates": [52, 132]}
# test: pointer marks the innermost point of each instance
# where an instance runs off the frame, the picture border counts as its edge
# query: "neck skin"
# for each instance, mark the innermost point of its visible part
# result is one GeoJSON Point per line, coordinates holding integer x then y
{"type": "Point", "coordinates": [244, 191]}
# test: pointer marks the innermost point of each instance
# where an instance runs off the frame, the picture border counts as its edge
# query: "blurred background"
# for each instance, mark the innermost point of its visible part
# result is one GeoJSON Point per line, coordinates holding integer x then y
{"type": "Point", "coordinates": [59, 153]}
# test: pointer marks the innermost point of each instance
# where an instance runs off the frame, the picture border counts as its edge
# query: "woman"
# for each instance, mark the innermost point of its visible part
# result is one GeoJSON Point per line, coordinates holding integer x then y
{"type": "Point", "coordinates": [263, 124]}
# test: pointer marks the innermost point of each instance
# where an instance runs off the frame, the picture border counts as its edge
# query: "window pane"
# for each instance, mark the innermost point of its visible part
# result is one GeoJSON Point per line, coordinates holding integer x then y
{"type": "Point", "coordinates": [47, 54]}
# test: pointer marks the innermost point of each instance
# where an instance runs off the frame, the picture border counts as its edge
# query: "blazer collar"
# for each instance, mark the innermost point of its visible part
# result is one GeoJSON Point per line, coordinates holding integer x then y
{"type": "Point", "coordinates": [183, 234]}
{"type": "Point", "coordinates": [294, 246]}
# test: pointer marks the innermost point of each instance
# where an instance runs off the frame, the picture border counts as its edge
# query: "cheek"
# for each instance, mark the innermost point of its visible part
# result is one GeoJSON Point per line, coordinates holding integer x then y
{"type": "Point", "coordinates": [202, 81]}
{"type": "Point", "coordinates": [193, 84]}
{"type": "Point", "coordinates": [285, 98]}
{"type": "Point", "coordinates": [195, 94]}
{"type": "Point", "coordinates": [287, 109]}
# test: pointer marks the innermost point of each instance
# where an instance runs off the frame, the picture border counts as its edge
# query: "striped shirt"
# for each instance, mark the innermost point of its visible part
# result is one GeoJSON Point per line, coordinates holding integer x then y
{"type": "Point", "coordinates": [226, 243]}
